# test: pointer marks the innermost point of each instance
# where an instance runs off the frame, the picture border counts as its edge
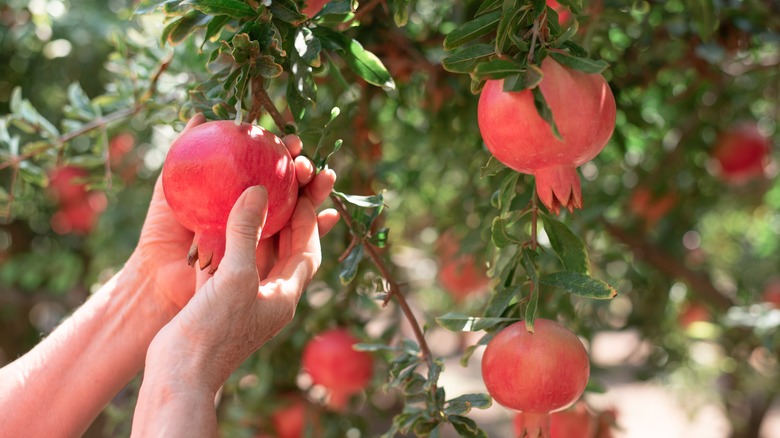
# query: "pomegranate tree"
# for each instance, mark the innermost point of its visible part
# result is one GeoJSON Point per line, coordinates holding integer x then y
{"type": "Point", "coordinates": [331, 361]}
{"type": "Point", "coordinates": [583, 109]}
{"type": "Point", "coordinates": [742, 154]}
{"type": "Point", "coordinates": [207, 169]}
{"type": "Point", "coordinates": [535, 373]}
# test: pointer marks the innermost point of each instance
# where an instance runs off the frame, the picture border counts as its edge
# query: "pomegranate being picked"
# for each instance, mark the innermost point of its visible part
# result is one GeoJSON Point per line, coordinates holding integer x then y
{"type": "Point", "coordinates": [535, 373]}
{"type": "Point", "coordinates": [583, 109]}
{"type": "Point", "coordinates": [207, 169]}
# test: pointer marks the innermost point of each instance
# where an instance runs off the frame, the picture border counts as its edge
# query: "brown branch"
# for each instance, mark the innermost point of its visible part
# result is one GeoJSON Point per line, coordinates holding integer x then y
{"type": "Point", "coordinates": [257, 104]}
{"type": "Point", "coordinates": [659, 259]}
{"type": "Point", "coordinates": [393, 286]}
{"type": "Point", "coordinates": [259, 94]}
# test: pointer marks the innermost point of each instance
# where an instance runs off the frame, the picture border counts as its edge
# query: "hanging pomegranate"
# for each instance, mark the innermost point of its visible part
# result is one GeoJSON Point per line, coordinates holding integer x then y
{"type": "Point", "coordinates": [207, 169]}
{"type": "Point", "coordinates": [535, 373]}
{"type": "Point", "coordinates": [583, 108]}
{"type": "Point", "coordinates": [332, 362]}
{"type": "Point", "coordinates": [742, 154]}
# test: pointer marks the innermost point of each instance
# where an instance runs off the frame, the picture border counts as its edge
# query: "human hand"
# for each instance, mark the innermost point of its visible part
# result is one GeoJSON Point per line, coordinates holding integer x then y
{"type": "Point", "coordinates": [162, 249]}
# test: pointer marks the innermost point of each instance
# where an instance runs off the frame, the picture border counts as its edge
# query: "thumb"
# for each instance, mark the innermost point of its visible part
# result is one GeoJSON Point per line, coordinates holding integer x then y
{"type": "Point", "coordinates": [244, 225]}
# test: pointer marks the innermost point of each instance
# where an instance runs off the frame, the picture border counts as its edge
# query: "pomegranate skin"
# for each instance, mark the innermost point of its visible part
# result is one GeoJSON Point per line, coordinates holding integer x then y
{"type": "Point", "coordinates": [742, 154]}
{"type": "Point", "coordinates": [536, 373]}
{"type": "Point", "coordinates": [584, 111]}
{"type": "Point", "coordinates": [209, 167]}
{"type": "Point", "coordinates": [331, 362]}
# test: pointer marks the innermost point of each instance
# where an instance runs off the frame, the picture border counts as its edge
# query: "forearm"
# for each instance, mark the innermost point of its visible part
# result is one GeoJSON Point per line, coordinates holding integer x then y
{"type": "Point", "coordinates": [61, 385]}
{"type": "Point", "coordinates": [172, 407]}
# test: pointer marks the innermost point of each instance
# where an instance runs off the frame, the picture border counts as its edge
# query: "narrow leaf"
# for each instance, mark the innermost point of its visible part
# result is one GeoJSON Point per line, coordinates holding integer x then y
{"type": "Point", "coordinates": [580, 284]}
{"type": "Point", "coordinates": [472, 30]}
{"type": "Point", "coordinates": [233, 8]}
{"type": "Point", "coordinates": [544, 111]}
{"type": "Point", "coordinates": [456, 322]}
{"type": "Point", "coordinates": [569, 248]}
{"type": "Point", "coordinates": [500, 236]}
{"type": "Point", "coordinates": [367, 65]}
{"type": "Point", "coordinates": [585, 65]}
{"type": "Point", "coordinates": [530, 269]}
{"type": "Point", "coordinates": [287, 11]}
{"type": "Point", "coordinates": [463, 61]}
{"type": "Point", "coordinates": [350, 265]}
{"type": "Point", "coordinates": [362, 201]}
{"type": "Point", "coordinates": [498, 69]}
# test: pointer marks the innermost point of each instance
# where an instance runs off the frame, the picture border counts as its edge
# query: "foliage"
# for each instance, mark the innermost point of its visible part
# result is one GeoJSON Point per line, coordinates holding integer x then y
{"type": "Point", "coordinates": [384, 92]}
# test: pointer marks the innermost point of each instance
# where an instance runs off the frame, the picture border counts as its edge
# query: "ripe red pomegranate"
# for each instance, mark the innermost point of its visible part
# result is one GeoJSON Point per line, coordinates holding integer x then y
{"type": "Point", "coordinates": [79, 216]}
{"type": "Point", "coordinates": [313, 7]}
{"type": "Point", "coordinates": [459, 273]}
{"type": "Point", "coordinates": [583, 108]}
{"type": "Point", "coordinates": [563, 13]}
{"type": "Point", "coordinates": [771, 293]}
{"type": "Point", "coordinates": [293, 419]}
{"type": "Point", "coordinates": [742, 154]}
{"type": "Point", "coordinates": [536, 373]}
{"type": "Point", "coordinates": [65, 185]}
{"type": "Point", "coordinates": [207, 169]}
{"type": "Point", "coordinates": [575, 422]}
{"type": "Point", "coordinates": [331, 362]}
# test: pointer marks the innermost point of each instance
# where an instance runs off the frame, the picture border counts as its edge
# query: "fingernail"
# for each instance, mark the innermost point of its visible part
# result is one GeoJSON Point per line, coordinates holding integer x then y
{"type": "Point", "coordinates": [256, 197]}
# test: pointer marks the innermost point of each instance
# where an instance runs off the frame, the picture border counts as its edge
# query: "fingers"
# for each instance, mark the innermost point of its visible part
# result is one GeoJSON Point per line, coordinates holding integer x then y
{"type": "Point", "coordinates": [320, 187]}
{"type": "Point", "coordinates": [244, 224]}
{"type": "Point", "coordinates": [304, 170]}
{"type": "Point", "coordinates": [293, 143]}
{"type": "Point", "coordinates": [326, 220]}
{"type": "Point", "coordinates": [299, 251]}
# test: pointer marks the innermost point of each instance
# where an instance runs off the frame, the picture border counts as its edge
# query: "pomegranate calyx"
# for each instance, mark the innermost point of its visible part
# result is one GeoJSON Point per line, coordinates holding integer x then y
{"type": "Point", "coordinates": [534, 425]}
{"type": "Point", "coordinates": [559, 187]}
{"type": "Point", "coordinates": [208, 248]}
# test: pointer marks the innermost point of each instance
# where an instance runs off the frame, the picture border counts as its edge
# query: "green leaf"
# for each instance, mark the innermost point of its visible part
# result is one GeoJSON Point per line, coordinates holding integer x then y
{"type": "Point", "coordinates": [373, 201]}
{"type": "Point", "coordinates": [367, 65]}
{"type": "Point", "coordinates": [350, 265]}
{"type": "Point", "coordinates": [498, 69]}
{"type": "Point", "coordinates": [79, 102]}
{"type": "Point", "coordinates": [585, 65]}
{"type": "Point", "coordinates": [500, 301]}
{"type": "Point", "coordinates": [463, 61]}
{"type": "Point", "coordinates": [456, 322]}
{"type": "Point", "coordinates": [215, 27]}
{"type": "Point", "coordinates": [507, 192]}
{"type": "Point", "coordinates": [530, 269]}
{"type": "Point", "coordinates": [307, 47]}
{"type": "Point", "coordinates": [401, 12]}
{"type": "Point", "coordinates": [232, 8]}
{"type": "Point", "coordinates": [295, 101]}
{"type": "Point", "coordinates": [287, 11]}
{"type": "Point", "coordinates": [266, 66]}
{"type": "Point", "coordinates": [179, 29]}
{"type": "Point", "coordinates": [705, 17]}
{"type": "Point", "coordinates": [491, 168]}
{"type": "Point", "coordinates": [512, 13]}
{"type": "Point", "coordinates": [472, 30]}
{"type": "Point", "coordinates": [499, 235]}
{"type": "Point", "coordinates": [544, 110]}
{"type": "Point", "coordinates": [466, 427]}
{"type": "Point", "coordinates": [147, 6]}
{"type": "Point", "coordinates": [568, 35]}
{"type": "Point", "coordinates": [462, 405]}
{"type": "Point", "coordinates": [488, 6]}
{"type": "Point", "coordinates": [530, 78]}
{"type": "Point", "coordinates": [569, 248]}
{"type": "Point", "coordinates": [580, 284]}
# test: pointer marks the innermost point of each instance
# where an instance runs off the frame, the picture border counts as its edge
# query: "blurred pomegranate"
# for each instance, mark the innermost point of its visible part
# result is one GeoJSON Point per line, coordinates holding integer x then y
{"type": "Point", "coordinates": [459, 273]}
{"type": "Point", "coordinates": [742, 154]}
{"type": "Point", "coordinates": [651, 207]}
{"type": "Point", "coordinates": [563, 13]}
{"type": "Point", "coordinates": [771, 293]}
{"type": "Point", "coordinates": [693, 312]}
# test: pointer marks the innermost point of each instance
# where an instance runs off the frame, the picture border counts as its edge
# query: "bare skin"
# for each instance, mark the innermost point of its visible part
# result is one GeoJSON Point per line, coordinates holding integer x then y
{"type": "Point", "coordinates": [150, 314]}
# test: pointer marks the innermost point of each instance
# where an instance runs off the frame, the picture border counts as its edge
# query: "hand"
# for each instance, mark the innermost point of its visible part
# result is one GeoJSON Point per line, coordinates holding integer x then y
{"type": "Point", "coordinates": [162, 249]}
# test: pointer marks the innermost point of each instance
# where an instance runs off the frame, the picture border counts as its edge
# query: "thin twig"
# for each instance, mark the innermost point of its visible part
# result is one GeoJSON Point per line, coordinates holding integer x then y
{"type": "Point", "coordinates": [393, 286]}
{"type": "Point", "coordinates": [265, 100]}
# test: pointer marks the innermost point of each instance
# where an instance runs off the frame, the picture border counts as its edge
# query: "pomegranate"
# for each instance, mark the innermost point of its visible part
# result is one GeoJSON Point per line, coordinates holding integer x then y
{"type": "Point", "coordinates": [207, 169]}
{"type": "Point", "coordinates": [459, 273]}
{"type": "Point", "coordinates": [64, 184]}
{"type": "Point", "coordinates": [79, 216]}
{"type": "Point", "coordinates": [313, 7]}
{"type": "Point", "coordinates": [584, 111]}
{"type": "Point", "coordinates": [575, 422]}
{"type": "Point", "coordinates": [292, 420]}
{"type": "Point", "coordinates": [535, 373]}
{"type": "Point", "coordinates": [742, 154]}
{"type": "Point", "coordinates": [771, 293]}
{"type": "Point", "coordinates": [563, 13]}
{"type": "Point", "coordinates": [331, 362]}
